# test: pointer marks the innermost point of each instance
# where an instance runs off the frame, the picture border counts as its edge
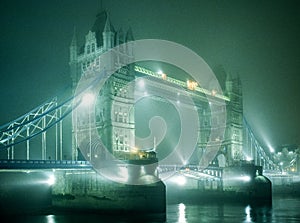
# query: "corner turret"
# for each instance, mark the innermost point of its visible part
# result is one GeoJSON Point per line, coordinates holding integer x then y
{"type": "Point", "coordinates": [73, 47]}
{"type": "Point", "coordinates": [228, 85]}
{"type": "Point", "coordinates": [108, 35]}
{"type": "Point", "coordinates": [73, 58]}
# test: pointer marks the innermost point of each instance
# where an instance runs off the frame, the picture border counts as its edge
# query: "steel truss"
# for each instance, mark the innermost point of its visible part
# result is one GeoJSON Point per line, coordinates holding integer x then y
{"type": "Point", "coordinates": [260, 155]}
{"type": "Point", "coordinates": [51, 114]}
{"type": "Point", "coordinates": [34, 123]}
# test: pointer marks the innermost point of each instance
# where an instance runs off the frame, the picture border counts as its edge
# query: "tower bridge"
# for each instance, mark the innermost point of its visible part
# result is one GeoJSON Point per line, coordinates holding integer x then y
{"type": "Point", "coordinates": [49, 138]}
{"type": "Point", "coordinates": [50, 116]}
{"type": "Point", "coordinates": [45, 132]}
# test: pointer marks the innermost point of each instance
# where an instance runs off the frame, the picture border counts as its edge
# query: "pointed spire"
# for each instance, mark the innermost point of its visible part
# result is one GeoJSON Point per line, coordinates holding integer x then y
{"type": "Point", "coordinates": [74, 39]}
{"type": "Point", "coordinates": [228, 84]}
{"type": "Point", "coordinates": [108, 34]}
{"type": "Point", "coordinates": [108, 27]}
{"type": "Point", "coordinates": [73, 47]}
{"type": "Point", "coordinates": [228, 77]}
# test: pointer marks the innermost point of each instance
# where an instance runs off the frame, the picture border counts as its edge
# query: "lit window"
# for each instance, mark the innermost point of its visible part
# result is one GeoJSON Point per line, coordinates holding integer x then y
{"type": "Point", "coordinates": [213, 92]}
{"type": "Point", "coordinates": [191, 85]}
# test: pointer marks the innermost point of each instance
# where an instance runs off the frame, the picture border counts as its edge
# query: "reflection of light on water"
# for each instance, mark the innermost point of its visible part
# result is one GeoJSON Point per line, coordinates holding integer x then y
{"type": "Point", "coordinates": [51, 180]}
{"type": "Point", "coordinates": [180, 180]}
{"type": "Point", "coordinates": [247, 212]}
{"type": "Point", "coordinates": [181, 217]}
{"type": "Point", "coordinates": [50, 219]}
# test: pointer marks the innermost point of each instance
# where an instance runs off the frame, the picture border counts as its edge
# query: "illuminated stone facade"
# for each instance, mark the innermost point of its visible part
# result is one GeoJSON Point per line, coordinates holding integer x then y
{"type": "Point", "coordinates": [115, 120]}
{"type": "Point", "coordinates": [233, 143]}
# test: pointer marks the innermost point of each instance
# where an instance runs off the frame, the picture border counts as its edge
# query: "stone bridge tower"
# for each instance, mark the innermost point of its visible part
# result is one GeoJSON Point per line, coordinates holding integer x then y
{"type": "Point", "coordinates": [233, 144]}
{"type": "Point", "coordinates": [114, 115]}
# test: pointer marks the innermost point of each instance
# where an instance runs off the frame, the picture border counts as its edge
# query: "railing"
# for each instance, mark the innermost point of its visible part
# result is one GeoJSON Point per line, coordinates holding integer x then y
{"type": "Point", "coordinates": [193, 170]}
{"type": "Point", "coordinates": [44, 164]}
{"type": "Point", "coordinates": [69, 164]}
{"type": "Point", "coordinates": [179, 82]}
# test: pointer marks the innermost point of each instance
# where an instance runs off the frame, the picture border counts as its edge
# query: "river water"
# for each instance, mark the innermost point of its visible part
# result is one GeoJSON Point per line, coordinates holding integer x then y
{"type": "Point", "coordinates": [283, 209]}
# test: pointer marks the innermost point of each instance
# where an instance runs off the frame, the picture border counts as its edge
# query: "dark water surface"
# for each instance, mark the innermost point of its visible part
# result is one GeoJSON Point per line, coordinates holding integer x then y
{"type": "Point", "coordinates": [283, 209]}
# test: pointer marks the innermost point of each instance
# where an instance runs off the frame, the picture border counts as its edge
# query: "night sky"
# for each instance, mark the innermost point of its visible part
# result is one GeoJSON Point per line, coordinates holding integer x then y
{"type": "Point", "coordinates": [258, 40]}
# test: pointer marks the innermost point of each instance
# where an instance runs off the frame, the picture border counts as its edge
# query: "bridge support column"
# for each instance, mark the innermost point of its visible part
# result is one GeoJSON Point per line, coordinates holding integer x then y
{"type": "Point", "coordinates": [89, 191]}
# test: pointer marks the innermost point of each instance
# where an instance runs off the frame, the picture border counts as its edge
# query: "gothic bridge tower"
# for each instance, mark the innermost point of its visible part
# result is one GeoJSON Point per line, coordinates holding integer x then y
{"type": "Point", "coordinates": [231, 149]}
{"type": "Point", "coordinates": [233, 144]}
{"type": "Point", "coordinates": [113, 115]}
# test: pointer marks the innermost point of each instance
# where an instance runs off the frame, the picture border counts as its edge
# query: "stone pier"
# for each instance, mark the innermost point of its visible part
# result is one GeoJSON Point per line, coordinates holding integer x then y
{"type": "Point", "coordinates": [87, 190]}
{"type": "Point", "coordinates": [49, 191]}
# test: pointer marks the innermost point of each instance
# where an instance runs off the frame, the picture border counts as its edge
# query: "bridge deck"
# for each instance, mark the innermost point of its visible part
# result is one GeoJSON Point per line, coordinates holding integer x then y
{"type": "Point", "coordinates": [43, 164]}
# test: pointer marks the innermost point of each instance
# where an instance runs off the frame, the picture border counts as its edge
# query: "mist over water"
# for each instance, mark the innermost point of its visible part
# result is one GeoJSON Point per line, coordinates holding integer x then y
{"type": "Point", "coordinates": [283, 209]}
